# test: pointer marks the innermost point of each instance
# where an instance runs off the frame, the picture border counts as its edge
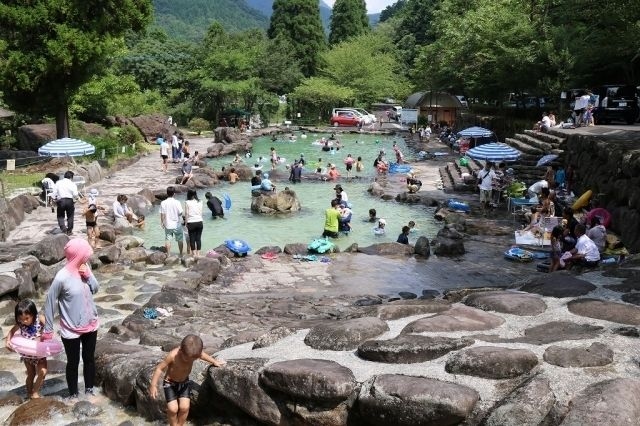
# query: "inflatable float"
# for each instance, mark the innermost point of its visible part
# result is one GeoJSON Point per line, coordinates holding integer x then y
{"type": "Point", "coordinates": [582, 201]}
{"type": "Point", "coordinates": [238, 247]}
{"type": "Point", "coordinates": [399, 168]}
{"type": "Point", "coordinates": [459, 206]}
{"type": "Point", "coordinates": [36, 348]}
{"type": "Point", "coordinates": [518, 254]}
{"type": "Point", "coordinates": [602, 214]}
{"type": "Point", "coordinates": [320, 245]}
{"type": "Point", "coordinates": [227, 201]}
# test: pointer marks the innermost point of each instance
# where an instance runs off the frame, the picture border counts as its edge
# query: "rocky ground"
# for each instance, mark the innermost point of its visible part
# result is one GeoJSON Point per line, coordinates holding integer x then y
{"type": "Point", "coordinates": [307, 344]}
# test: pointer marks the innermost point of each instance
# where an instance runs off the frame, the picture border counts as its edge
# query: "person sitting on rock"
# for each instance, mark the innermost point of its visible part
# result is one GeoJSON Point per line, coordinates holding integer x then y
{"type": "Point", "coordinates": [266, 185]}
{"type": "Point", "coordinates": [122, 213]}
{"type": "Point", "coordinates": [413, 184]}
{"type": "Point", "coordinates": [187, 172]}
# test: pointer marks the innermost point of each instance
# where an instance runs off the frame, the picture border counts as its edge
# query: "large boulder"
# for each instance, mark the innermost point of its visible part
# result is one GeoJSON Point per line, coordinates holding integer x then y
{"type": "Point", "coordinates": [345, 335]}
{"type": "Point", "coordinates": [238, 382]}
{"type": "Point", "coordinates": [408, 401]}
{"type": "Point", "coordinates": [208, 268]}
{"type": "Point", "coordinates": [37, 411]}
{"type": "Point", "coordinates": [422, 247]}
{"type": "Point", "coordinates": [50, 250]}
{"type": "Point", "coordinates": [410, 348]}
{"type": "Point", "coordinates": [611, 402]}
{"type": "Point", "coordinates": [285, 201]}
{"type": "Point", "coordinates": [606, 310]}
{"type": "Point", "coordinates": [507, 302]}
{"type": "Point", "coordinates": [458, 318]}
{"type": "Point", "coordinates": [558, 285]}
{"type": "Point", "coordinates": [492, 362]}
{"type": "Point", "coordinates": [33, 136]}
{"type": "Point", "coordinates": [596, 355]}
{"type": "Point", "coordinates": [528, 405]}
{"type": "Point", "coordinates": [449, 242]}
{"type": "Point", "coordinates": [310, 379]}
{"type": "Point", "coordinates": [152, 125]}
{"type": "Point", "coordinates": [387, 249]}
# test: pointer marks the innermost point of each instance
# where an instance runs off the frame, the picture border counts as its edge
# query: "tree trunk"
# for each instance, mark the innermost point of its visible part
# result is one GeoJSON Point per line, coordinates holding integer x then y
{"type": "Point", "coordinates": [62, 121]}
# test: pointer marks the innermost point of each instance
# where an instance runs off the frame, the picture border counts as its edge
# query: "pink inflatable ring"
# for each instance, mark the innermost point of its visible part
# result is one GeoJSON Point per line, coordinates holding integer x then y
{"type": "Point", "coordinates": [36, 348]}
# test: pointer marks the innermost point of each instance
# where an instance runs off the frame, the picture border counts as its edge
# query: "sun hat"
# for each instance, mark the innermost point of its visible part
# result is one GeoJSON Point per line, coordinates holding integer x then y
{"type": "Point", "coordinates": [94, 192]}
{"type": "Point", "coordinates": [265, 175]}
{"type": "Point", "coordinates": [335, 188]}
{"type": "Point", "coordinates": [256, 167]}
{"type": "Point", "coordinates": [382, 222]}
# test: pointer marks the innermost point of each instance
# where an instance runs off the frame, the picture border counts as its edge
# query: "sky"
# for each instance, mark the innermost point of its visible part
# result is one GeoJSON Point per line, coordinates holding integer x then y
{"type": "Point", "coordinates": [373, 6]}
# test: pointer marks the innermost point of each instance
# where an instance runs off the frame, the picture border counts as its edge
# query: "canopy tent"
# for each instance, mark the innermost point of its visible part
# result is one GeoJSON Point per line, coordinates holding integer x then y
{"type": "Point", "coordinates": [476, 132]}
{"type": "Point", "coordinates": [66, 147]}
{"type": "Point", "coordinates": [494, 152]}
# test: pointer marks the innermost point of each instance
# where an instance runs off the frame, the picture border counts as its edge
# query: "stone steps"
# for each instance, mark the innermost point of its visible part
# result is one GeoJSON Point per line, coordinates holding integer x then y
{"type": "Point", "coordinates": [524, 147]}
{"type": "Point", "coordinates": [533, 142]}
{"type": "Point", "coordinates": [546, 137]}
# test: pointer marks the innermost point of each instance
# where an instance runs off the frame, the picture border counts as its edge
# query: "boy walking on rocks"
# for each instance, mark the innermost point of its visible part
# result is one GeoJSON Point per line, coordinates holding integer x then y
{"type": "Point", "coordinates": [176, 383]}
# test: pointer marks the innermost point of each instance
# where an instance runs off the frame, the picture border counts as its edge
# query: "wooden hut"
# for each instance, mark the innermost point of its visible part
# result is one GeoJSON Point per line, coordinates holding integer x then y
{"type": "Point", "coordinates": [438, 107]}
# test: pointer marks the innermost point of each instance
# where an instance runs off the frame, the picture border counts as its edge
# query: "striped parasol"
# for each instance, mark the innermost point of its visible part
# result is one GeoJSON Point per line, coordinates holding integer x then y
{"type": "Point", "coordinates": [494, 152]}
{"type": "Point", "coordinates": [66, 147]}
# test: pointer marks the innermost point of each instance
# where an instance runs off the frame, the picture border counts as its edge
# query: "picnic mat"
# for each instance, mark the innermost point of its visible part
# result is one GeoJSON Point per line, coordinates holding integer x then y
{"type": "Point", "coordinates": [528, 239]}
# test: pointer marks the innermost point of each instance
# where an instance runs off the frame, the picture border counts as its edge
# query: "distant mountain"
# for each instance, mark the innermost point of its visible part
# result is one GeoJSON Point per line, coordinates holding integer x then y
{"type": "Point", "coordinates": [190, 19]}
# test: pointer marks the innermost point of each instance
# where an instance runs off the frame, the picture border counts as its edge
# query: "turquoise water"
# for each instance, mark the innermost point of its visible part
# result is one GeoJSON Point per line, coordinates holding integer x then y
{"type": "Point", "coordinates": [315, 197]}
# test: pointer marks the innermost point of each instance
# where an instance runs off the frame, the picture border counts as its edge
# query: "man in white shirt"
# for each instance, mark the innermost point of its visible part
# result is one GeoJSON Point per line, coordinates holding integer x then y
{"type": "Point", "coordinates": [65, 192]}
{"type": "Point", "coordinates": [585, 253]}
{"type": "Point", "coordinates": [545, 123]}
{"type": "Point", "coordinates": [535, 189]}
{"type": "Point", "coordinates": [171, 215]}
{"type": "Point", "coordinates": [485, 183]}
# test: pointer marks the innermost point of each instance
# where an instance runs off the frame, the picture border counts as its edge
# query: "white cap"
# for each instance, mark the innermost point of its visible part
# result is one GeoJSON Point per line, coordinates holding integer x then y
{"type": "Point", "coordinates": [94, 192]}
{"type": "Point", "coordinates": [382, 221]}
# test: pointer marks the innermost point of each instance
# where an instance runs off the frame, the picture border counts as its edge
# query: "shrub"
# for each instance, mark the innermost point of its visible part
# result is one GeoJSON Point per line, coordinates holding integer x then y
{"type": "Point", "coordinates": [199, 125]}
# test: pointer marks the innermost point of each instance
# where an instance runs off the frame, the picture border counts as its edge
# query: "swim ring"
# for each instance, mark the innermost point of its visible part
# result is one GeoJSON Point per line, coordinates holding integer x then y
{"type": "Point", "coordinates": [516, 253]}
{"type": "Point", "coordinates": [458, 205]}
{"type": "Point", "coordinates": [399, 168]}
{"type": "Point", "coordinates": [36, 348]}
{"type": "Point", "coordinates": [227, 201]}
{"type": "Point", "coordinates": [378, 231]}
{"type": "Point", "coordinates": [238, 247]}
{"type": "Point", "coordinates": [582, 201]}
{"type": "Point", "coordinates": [603, 214]}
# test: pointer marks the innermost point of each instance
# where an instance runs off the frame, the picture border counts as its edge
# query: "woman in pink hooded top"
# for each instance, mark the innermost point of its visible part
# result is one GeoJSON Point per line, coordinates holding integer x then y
{"type": "Point", "coordinates": [72, 293]}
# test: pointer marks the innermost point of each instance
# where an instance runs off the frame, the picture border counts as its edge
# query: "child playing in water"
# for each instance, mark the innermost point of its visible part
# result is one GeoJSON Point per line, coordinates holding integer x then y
{"type": "Point", "coordinates": [30, 326]}
{"type": "Point", "coordinates": [412, 226]}
{"type": "Point", "coordinates": [359, 165]}
{"type": "Point", "coordinates": [176, 384]}
{"type": "Point", "coordinates": [348, 162]}
{"type": "Point", "coordinates": [318, 166]}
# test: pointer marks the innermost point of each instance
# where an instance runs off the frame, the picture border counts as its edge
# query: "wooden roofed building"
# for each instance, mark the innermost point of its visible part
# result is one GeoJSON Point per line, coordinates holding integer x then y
{"type": "Point", "coordinates": [436, 107]}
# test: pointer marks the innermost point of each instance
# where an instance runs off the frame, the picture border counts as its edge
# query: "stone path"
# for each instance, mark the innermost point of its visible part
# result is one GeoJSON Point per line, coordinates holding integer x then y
{"type": "Point", "coordinates": [145, 173]}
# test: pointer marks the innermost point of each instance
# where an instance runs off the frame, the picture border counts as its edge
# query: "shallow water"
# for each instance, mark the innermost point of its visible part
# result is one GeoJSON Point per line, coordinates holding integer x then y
{"type": "Point", "coordinates": [315, 197]}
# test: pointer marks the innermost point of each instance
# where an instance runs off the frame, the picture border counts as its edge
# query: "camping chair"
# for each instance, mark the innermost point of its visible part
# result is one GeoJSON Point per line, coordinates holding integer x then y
{"type": "Point", "coordinates": [548, 223]}
{"type": "Point", "coordinates": [47, 188]}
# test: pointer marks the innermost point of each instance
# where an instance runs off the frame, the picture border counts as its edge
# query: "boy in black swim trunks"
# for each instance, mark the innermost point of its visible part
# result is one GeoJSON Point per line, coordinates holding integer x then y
{"type": "Point", "coordinates": [176, 384]}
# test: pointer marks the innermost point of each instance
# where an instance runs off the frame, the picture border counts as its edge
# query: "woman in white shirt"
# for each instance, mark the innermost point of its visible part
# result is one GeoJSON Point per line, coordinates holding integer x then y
{"type": "Point", "coordinates": [193, 217]}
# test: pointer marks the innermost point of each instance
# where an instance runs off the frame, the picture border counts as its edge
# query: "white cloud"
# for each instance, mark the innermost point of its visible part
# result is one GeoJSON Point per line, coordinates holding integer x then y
{"type": "Point", "coordinates": [373, 6]}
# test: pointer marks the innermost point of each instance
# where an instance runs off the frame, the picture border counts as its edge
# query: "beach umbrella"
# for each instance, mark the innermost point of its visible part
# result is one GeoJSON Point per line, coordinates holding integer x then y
{"type": "Point", "coordinates": [494, 152]}
{"type": "Point", "coordinates": [546, 159]}
{"type": "Point", "coordinates": [66, 147]}
{"type": "Point", "coordinates": [476, 132]}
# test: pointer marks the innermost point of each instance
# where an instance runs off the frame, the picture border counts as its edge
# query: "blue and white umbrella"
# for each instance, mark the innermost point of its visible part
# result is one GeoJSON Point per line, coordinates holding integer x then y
{"type": "Point", "coordinates": [546, 159]}
{"type": "Point", "coordinates": [66, 147]}
{"type": "Point", "coordinates": [476, 132]}
{"type": "Point", "coordinates": [494, 152]}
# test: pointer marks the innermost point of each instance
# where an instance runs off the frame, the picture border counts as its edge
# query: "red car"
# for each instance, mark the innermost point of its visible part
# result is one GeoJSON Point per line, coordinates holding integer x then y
{"type": "Point", "coordinates": [346, 118]}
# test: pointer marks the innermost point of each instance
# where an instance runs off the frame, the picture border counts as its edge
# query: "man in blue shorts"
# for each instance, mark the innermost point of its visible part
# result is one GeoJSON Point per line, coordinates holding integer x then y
{"type": "Point", "coordinates": [171, 216]}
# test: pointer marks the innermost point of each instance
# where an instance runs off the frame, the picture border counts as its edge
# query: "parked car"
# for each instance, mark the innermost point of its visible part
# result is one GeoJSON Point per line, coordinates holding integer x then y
{"type": "Point", "coordinates": [616, 102]}
{"type": "Point", "coordinates": [346, 118]}
{"type": "Point", "coordinates": [395, 112]}
{"type": "Point", "coordinates": [366, 117]}
{"type": "Point", "coordinates": [463, 101]}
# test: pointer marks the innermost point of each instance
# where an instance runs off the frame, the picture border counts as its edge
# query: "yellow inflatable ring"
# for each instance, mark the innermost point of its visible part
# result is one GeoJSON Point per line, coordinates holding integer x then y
{"type": "Point", "coordinates": [582, 201]}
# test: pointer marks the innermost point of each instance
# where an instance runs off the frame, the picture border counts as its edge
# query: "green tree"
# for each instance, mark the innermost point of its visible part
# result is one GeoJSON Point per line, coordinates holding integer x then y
{"type": "Point", "coordinates": [298, 22]}
{"type": "Point", "coordinates": [51, 47]}
{"type": "Point", "coordinates": [349, 18]}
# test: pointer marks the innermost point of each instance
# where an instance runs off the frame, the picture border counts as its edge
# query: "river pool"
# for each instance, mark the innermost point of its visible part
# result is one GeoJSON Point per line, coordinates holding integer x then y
{"type": "Point", "coordinates": [315, 197]}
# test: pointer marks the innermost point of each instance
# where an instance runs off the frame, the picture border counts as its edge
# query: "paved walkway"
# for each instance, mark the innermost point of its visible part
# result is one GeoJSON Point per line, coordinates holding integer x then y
{"type": "Point", "coordinates": [145, 173]}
